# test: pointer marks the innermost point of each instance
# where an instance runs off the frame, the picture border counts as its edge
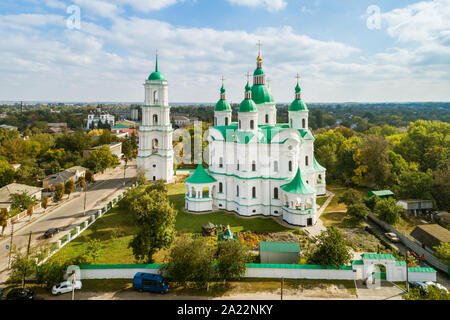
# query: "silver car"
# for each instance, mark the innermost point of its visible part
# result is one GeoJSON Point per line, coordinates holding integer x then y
{"type": "Point", "coordinates": [65, 287]}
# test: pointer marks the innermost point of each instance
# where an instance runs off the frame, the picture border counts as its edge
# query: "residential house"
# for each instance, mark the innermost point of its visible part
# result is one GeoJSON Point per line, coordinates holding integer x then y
{"type": "Point", "coordinates": [74, 173]}
{"type": "Point", "coordinates": [13, 188]}
{"type": "Point", "coordinates": [416, 206]}
{"type": "Point", "coordinates": [430, 235]}
{"type": "Point", "coordinates": [115, 147]}
{"type": "Point", "coordinates": [56, 127]}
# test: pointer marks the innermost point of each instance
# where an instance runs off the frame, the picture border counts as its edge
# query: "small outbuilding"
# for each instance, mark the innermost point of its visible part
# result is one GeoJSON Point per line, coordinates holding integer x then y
{"type": "Point", "coordinates": [430, 235]}
{"type": "Point", "coordinates": [273, 252]}
{"type": "Point", "coordinates": [416, 206]}
{"type": "Point", "coordinates": [381, 193]}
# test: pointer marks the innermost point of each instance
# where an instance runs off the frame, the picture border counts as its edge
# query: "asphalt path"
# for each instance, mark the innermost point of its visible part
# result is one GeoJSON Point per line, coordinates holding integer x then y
{"type": "Point", "coordinates": [67, 216]}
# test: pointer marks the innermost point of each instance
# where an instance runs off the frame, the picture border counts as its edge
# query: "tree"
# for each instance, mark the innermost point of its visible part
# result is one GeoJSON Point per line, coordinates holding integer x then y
{"type": "Point", "coordinates": [140, 178]}
{"type": "Point", "coordinates": [190, 260]}
{"type": "Point", "coordinates": [332, 249]}
{"type": "Point", "coordinates": [6, 173]}
{"type": "Point", "coordinates": [159, 185]}
{"type": "Point", "coordinates": [358, 211]}
{"type": "Point", "coordinates": [89, 176]}
{"type": "Point", "coordinates": [82, 182]}
{"type": "Point", "coordinates": [93, 250]}
{"type": "Point", "coordinates": [371, 202]}
{"type": "Point", "coordinates": [50, 273]}
{"type": "Point", "coordinates": [45, 201]}
{"type": "Point", "coordinates": [30, 211]}
{"type": "Point", "coordinates": [128, 153]}
{"type": "Point", "coordinates": [433, 293]}
{"type": "Point", "coordinates": [69, 187]}
{"type": "Point", "coordinates": [3, 219]}
{"type": "Point", "coordinates": [59, 192]}
{"type": "Point", "coordinates": [22, 201]}
{"type": "Point", "coordinates": [415, 185]}
{"type": "Point", "coordinates": [23, 265]}
{"type": "Point", "coordinates": [443, 252]}
{"type": "Point", "coordinates": [155, 217]}
{"type": "Point", "coordinates": [232, 257]}
{"type": "Point", "coordinates": [388, 210]}
{"type": "Point", "coordinates": [101, 158]}
{"type": "Point", "coordinates": [349, 197]}
{"type": "Point", "coordinates": [441, 188]}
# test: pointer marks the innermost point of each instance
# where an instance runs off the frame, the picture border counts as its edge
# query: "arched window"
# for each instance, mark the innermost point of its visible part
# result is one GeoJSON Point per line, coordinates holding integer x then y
{"type": "Point", "coordinates": [240, 124]}
{"type": "Point", "coordinates": [220, 187]}
{"type": "Point", "coordinates": [237, 191]}
{"type": "Point", "coordinates": [319, 180]}
{"type": "Point", "coordinates": [237, 165]}
{"type": "Point", "coordinates": [291, 122]}
{"type": "Point", "coordinates": [155, 119]}
{"type": "Point", "coordinates": [275, 166]}
{"type": "Point", "coordinates": [275, 193]}
{"type": "Point", "coordinates": [254, 192]}
{"type": "Point", "coordinates": [155, 97]}
{"type": "Point", "coordinates": [226, 121]}
{"type": "Point", "coordinates": [306, 160]}
{"type": "Point", "coordinates": [267, 118]}
{"type": "Point", "coordinates": [252, 124]}
{"type": "Point", "coordinates": [253, 165]}
{"type": "Point", "coordinates": [215, 121]}
{"type": "Point", "coordinates": [220, 162]}
{"type": "Point", "coordinates": [290, 165]}
{"type": "Point", "coordinates": [155, 144]}
{"type": "Point", "coordinates": [303, 123]}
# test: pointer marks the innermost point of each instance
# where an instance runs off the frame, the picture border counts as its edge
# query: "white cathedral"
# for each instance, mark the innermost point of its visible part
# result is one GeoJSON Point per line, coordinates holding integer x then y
{"type": "Point", "coordinates": [256, 165]}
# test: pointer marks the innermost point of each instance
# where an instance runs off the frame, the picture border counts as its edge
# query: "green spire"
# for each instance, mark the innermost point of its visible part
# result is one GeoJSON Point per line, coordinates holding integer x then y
{"type": "Point", "coordinates": [247, 87]}
{"type": "Point", "coordinates": [222, 90]}
{"type": "Point", "coordinates": [156, 65]}
{"type": "Point", "coordinates": [297, 185]}
{"type": "Point", "coordinates": [297, 89]}
{"type": "Point", "coordinates": [156, 75]}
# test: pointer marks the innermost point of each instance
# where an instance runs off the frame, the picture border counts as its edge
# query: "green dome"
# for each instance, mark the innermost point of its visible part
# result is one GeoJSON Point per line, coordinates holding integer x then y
{"type": "Point", "coordinates": [298, 105]}
{"type": "Point", "coordinates": [247, 105]}
{"type": "Point", "coordinates": [200, 176]}
{"type": "Point", "coordinates": [156, 76]}
{"type": "Point", "coordinates": [298, 185]}
{"type": "Point", "coordinates": [222, 105]}
{"type": "Point", "coordinates": [258, 72]}
{"type": "Point", "coordinates": [261, 94]}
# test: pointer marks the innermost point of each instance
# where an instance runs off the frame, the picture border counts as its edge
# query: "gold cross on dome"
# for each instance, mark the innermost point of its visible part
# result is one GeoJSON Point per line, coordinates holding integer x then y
{"type": "Point", "coordinates": [268, 82]}
{"type": "Point", "coordinates": [248, 75]}
{"type": "Point", "coordinates": [259, 45]}
{"type": "Point", "coordinates": [222, 79]}
{"type": "Point", "coordinates": [297, 77]}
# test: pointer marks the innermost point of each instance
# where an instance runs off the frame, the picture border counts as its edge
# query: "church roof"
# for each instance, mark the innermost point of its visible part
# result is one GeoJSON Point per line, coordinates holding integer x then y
{"type": "Point", "coordinates": [258, 72]}
{"type": "Point", "coordinates": [297, 185]}
{"type": "Point", "coordinates": [247, 105]}
{"type": "Point", "coordinates": [200, 176]}
{"type": "Point", "coordinates": [317, 166]}
{"type": "Point", "coordinates": [261, 94]}
{"type": "Point", "coordinates": [298, 105]}
{"type": "Point", "coordinates": [222, 105]}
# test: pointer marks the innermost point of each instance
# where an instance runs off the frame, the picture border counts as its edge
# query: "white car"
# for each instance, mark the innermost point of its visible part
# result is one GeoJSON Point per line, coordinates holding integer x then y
{"type": "Point", "coordinates": [65, 287]}
{"type": "Point", "coordinates": [392, 237]}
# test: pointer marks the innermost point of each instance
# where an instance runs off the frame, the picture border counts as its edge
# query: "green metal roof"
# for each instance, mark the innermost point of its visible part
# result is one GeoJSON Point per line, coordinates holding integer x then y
{"type": "Point", "coordinates": [296, 266]}
{"type": "Point", "coordinates": [317, 167]}
{"type": "Point", "coordinates": [377, 256]}
{"type": "Point", "coordinates": [222, 105]}
{"type": "Point", "coordinates": [380, 193]}
{"type": "Point", "coordinates": [258, 72]}
{"type": "Point", "coordinates": [400, 263]}
{"type": "Point", "coordinates": [121, 126]}
{"type": "Point", "coordinates": [298, 105]}
{"type": "Point", "coordinates": [417, 269]}
{"type": "Point", "coordinates": [357, 262]}
{"type": "Point", "coordinates": [297, 185]}
{"type": "Point", "coordinates": [247, 105]}
{"type": "Point", "coordinates": [278, 246]}
{"type": "Point", "coordinates": [200, 176]}
{"type": "Point", "coordinates": [261, 94]}
{"type": "Point", "coordinates": [120, 266]}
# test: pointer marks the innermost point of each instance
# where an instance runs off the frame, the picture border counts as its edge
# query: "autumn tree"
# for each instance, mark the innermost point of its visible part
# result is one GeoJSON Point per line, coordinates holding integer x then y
{"type": "Point", "coordinates": [232, 259]}
{"type": "Point", "coordinates": [59, 192]}
{"type": "Point", "coordinates": [349, 197]}
{"type": "Point", "coordinates": [69, 187]}
{"type": "Point", "coordinates": [358, 211]}
{"type": "Point", "coordinates": [388, 210]}
{"type": "Point", "coordinates": [331, 250]}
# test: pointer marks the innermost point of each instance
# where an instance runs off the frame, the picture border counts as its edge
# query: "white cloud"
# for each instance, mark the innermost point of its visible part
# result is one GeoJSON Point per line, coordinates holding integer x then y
{"type": "Point", "coordinates": [271, 5]}
{"type": "Point", "coordinates": [55, 4]}
{"type": "Point", "coordinates": [97, 7]}
{"type": "Point", "coordinates": [421, 21]}
{"type": "Point", "coordinates": [147, 5]}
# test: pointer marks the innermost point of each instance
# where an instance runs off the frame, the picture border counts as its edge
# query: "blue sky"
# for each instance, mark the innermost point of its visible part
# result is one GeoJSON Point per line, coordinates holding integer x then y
{"type": "Point", "coordinates": [406, 57]}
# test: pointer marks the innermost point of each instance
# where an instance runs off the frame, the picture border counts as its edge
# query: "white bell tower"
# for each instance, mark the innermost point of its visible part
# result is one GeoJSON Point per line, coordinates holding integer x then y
{"type": "Point", "coordinates": [155, 154]}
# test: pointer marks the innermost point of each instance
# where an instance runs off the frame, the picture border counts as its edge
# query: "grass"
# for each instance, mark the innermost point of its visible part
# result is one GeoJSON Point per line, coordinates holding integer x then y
{"type": "Point", "coordinates": [115, 231]}
{"type": "Point", "coordinates": [334, 206]}
{"type": "Point", "coordinates": [407, 224]}
{"type": "Point", "coordinates": [321, 200]}
{"type": "Point", "coordinates": [338, 219]}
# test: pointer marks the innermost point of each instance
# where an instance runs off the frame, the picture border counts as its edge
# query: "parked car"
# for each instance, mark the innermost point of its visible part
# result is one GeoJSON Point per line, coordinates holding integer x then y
{"type": "Point", "coordinates": [150, 282]}
{"type": "Point", "coordinates": [437, 285]}
{"type": "Point", "coordinates": [65, 287]}
{"type": "Point", "coordinates": [392, 237]}
{"type": "Point", "coordinates": [20, 294]}
{"type": "Point", "coordinates": [422, 286]}
{"type": "Point", "coordinates": [50, 232]}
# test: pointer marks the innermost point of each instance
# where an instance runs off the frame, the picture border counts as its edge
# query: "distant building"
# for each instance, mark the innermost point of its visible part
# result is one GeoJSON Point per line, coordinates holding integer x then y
{"type": "Point", "coordinates": [124, 126]}
{"type": "Point", "coordinates": [13, 188]}
{"type": "Point", "coordinates": [181, 121]}
{"type": "Point", "coordinates": [381, 193]}
{"type": "Point", "coordinates": [279, 252]}
{"type": "Point", "coordinates": [430, 235]}
{"type": "Point", "coordinates": [99, 117]}
{"type": "Point", "coordinates": [416, 206]}
{"type": "Point", "coordinates": [5, 126]}
{"type": "Point", "coordinates": [115, 148]}
{"type": "Point", "coordinates": [57, 127]}
{"type": "Point", "coordinates": [73, 173]}
{"type": "Point", "coordinates": [3, 115]}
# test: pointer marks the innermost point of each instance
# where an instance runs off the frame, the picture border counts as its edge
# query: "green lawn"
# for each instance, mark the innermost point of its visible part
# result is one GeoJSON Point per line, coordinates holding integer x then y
{"type": "Point", "coordinates": [115, 231]}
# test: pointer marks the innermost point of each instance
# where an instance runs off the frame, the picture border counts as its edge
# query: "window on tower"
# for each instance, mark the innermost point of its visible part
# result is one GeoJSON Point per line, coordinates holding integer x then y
{"type": "Point", "coordinates": [306, 160]}
{"type": "Point", "coordinates": [254, 192]}
{"type": "Point", "coordinates": [267, 118]}
{"type": "Point", "coordinates": [226, 121]}
{"type": "Point", "coordinates": [220, 187]}
{"type": "Point", "coordinates": [253, 165]}
{"type": "Point", "coordinates": [275, 166]}
{"type": "Point", "coordinates": [252, 124]}
{"type": "Point", "coordinates": [220, 162]}
{"type": "Point", "coordinates": [155, 97]}
{"type": "Point", "coordinates": [237, 191]}
{"type": "Point", "coordinates": [275, 193]}
{"type": "Point", "coordinates": [290, 165]}
{"type": "Point", "coordinates": [155, 119]}
{"type": "Point", "coordinates": [303, 123]}
{"type": "Point", "coordinates": [215, 121]}
{"type": "Point", "coordinates": [240, 124]}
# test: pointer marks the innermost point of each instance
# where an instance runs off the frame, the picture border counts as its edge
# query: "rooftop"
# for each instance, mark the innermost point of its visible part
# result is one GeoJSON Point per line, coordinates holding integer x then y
{"type": "Point", "coordinates": [278, 246]}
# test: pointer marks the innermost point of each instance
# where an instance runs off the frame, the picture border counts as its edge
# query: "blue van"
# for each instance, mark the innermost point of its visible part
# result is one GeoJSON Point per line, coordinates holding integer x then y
{"type": "Point", "coordinates": [150, 282]}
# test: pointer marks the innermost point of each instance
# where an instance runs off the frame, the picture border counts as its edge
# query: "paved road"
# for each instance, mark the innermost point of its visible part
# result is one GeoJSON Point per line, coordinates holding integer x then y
{"type": "Point", "coordinates": [66, 215]}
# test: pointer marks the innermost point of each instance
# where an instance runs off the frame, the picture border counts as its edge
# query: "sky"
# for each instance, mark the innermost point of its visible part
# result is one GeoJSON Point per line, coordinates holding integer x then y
{"type": "Point", "coordinates": [343, 50]}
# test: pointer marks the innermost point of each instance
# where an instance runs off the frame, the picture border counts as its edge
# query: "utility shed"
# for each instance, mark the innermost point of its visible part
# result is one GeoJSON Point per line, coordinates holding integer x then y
{"type": "Point", "coordinates": [431, 235]}
{"type": "Point", "coordinates": [381, 193]}
{"type": "Point", "coordinates": [416, 206]}
{"type": "Point", "coordinates": [279, 252]}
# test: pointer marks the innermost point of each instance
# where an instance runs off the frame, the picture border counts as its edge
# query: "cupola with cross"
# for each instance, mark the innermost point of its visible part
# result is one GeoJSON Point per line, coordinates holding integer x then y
{"type": "Point", "coordinates": [298, 112]}
{"type": "Point", "coordinates": [248, 113]}
{"type": "Point", "coordinates": [222, 111]}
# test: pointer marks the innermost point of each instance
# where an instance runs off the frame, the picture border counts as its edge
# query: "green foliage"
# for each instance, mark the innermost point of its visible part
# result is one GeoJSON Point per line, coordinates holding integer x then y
{"type": "Point", "coordinates": [374, 158]}
{"type": "Point", "coordinates": [159, 185]}
{"type": "Point", "coordinates": [93, 250]}
{"type": "Point", "coordinates": [6, 173]}
{"type": "Point", "coordinates": [59, 192]}
{"type": "Point", "coordinates": [349, 197]}
{"type": "Point", "coordinates": [331, 250]}
{"type": "Point", "coordinates": [22, 201]}
{"type": "Point", "coordinates": [442, 252]}
{"type": "Point", "coordinates": [358, 211]}
{"type": "Point", "coordinates": [371, 202]}
{"type": "Point", "coordinates": [441, 188]}
{"type": "Point", "coordinates": [155, 217]}
{"type": "Point", "coordinates": [101, 158]}
{"type": "Point", "coordinates": [69, 187]}
{"type": "Point", "coordinates": [432, 294]}
{"type": "Point", "coordinates": [388, 210]}
{"type": "Point", "coordinates": [190, 260]}
{"type": "Point", "coordinates": [415, 185]}
{"type": "Point", "coordinates": [22, 264]}
{"type": "Point", "coordinates": [232, 257]}
{"type": "Point", "coordinates": [3, 219]}
{"type": "Point", "coordinates": [141, 179]}
{"type": "Point", "coordinates": [50, 274]}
